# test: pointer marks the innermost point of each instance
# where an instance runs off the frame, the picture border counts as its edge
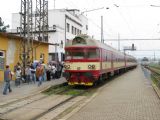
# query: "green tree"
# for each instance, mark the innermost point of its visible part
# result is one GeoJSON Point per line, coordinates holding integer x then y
{"type": "Point", "coordinates": [2, 26]}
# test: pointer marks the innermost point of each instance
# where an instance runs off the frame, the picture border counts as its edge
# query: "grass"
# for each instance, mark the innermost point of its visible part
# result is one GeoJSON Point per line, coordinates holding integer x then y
{"type": "Point", "coordinates": [154, 65]}
{"type": "Point", "coordinates": [64, 89]}
{"type": "Point", "coordinates": [73, 92]}
{"type": "Point", "coordinates": [56, 89]}
{"type": "Point", "coordinates": [155, 81]}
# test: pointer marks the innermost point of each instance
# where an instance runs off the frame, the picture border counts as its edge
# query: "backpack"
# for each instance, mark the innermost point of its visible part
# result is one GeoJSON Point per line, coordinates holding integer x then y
{"type": "Point", "coordinates": [39, 71]}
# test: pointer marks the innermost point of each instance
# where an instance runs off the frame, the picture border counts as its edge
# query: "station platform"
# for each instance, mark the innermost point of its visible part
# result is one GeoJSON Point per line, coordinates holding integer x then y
{"type": "Point", "coordinates": [25, 90]}
{"type": "Point", "coordinates": [127, 97]}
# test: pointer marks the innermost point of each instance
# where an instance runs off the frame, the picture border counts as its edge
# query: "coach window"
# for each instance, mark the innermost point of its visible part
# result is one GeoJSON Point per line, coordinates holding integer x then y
{"type": "Point", "coordinates": [106, 58]}
{"type": "Point", "coordinates": [109, 56]}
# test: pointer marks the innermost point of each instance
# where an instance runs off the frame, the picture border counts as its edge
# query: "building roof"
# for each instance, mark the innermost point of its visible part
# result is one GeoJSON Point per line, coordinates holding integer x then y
{"type": "Point", "coordinates": [11, 36]}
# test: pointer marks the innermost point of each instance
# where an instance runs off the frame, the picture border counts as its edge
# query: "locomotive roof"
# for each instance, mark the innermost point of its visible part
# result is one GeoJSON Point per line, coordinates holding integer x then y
{"type": "Point", "coordinates": [84, 40]}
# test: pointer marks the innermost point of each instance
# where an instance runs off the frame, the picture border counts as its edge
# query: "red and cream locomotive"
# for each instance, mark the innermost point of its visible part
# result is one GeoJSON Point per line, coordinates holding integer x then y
{"type": "Point", "coordinates": [88, 61]}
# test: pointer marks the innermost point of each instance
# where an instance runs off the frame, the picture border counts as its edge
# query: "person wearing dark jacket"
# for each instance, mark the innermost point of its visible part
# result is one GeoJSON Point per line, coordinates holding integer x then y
{"type": "Point", "coordinates": [59, 70]}
{"type": "Point", "coordinates": [33, 73]}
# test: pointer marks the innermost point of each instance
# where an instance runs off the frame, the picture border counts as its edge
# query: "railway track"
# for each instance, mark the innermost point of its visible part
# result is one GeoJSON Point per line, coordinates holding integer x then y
{"type": "Point", "coordinates": [48, 106]}
{"type": "Point", "coordinates": [155, 75]}
{"type": "Point", "coordinates": [19, 103]}
{"type": "Point", "coordinates": [51, 111]}
{"type": "Point", "coordinates": [40, 106]}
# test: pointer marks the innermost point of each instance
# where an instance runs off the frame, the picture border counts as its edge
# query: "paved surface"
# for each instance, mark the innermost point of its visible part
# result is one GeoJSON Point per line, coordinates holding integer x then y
{"type": "Point", "coordinates": [25, 90]}
{"type": "Point", "coordinates": [128, 97]}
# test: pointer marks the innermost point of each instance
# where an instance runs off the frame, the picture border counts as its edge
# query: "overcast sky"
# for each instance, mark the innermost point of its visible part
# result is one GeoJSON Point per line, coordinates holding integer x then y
{"type": "Point", "coordinates": [129, 18]}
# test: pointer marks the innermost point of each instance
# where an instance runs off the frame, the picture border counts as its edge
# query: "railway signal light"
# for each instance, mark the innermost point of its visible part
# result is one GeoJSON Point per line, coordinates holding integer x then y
{"type": "Point", "coordinates": [133, 47]}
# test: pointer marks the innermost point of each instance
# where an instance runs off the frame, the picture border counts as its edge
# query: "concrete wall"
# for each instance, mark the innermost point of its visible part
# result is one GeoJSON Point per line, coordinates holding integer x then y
{"type": "Point", "coordinates": [3, 47]}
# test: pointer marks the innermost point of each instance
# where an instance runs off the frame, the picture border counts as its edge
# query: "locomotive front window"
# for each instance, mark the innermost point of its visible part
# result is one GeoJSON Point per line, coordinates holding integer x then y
{"type": "Point", "coordinates": [75, 54]}
{"type": "Point", "coordinates": [78, 54]}
{"type": "Point", "coordinates": [93, 53]}
{"type": "Point", "coordinates": [82, 53]}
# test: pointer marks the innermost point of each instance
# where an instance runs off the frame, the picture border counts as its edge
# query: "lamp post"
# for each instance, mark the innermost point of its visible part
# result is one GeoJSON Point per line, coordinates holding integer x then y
{"type": "Point", "coordinates": [94, 9]}
{"type": "Point", "coordinates": [155, 5]}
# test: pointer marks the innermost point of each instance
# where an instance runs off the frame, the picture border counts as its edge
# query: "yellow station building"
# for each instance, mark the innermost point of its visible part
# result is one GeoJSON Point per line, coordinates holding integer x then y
{"type": "Point", "coordinates": [10, 51]}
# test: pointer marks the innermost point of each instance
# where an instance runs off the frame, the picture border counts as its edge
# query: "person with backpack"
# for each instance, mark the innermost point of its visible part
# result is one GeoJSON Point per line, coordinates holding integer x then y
{"type": "Point", "coordinates": [39, 74]}
{"type": "Point", "coordinates": [7, 79]}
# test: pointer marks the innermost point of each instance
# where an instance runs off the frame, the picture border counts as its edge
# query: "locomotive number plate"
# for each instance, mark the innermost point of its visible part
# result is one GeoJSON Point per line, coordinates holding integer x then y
{"type": "Point", "coordinates": [78, 68]}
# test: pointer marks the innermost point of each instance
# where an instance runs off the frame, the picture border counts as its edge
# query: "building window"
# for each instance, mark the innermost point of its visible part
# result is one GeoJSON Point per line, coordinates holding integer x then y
{"type": "Point", "coordinates": [62, 56]}
{"type": "Point", "coordinates": [2, 60]}
{"type": "Point", "coordinates": [75, 31]}
{"type": "Point", "coordinates": [54, 56]}
{"type": "Point", "coordinates": [68, 26]}
{"type": "Point", "coordinates": [2, 54]}
{"type": "Point", "coordinates": [42, 57]}
{"type": "Point", "coordinates": [86, 27]}
{"type": "Point", "coordinates": [79, 31]}
{"type": "Point", "coordinates": [72, 30]}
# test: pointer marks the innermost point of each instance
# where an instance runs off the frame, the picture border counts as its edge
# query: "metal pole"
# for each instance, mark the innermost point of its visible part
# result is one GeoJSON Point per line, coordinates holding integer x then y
{"type": "Point", "coordinates": [154, 56]}
{"type": "Point", "coordinates": [56, 57]}
{"type": "Point", "coordinates": [65, 29]}
{"type": "Point", "coordinates": [28, 32]}
{"type": "Point", "coordinates": [118, 42]}
{"type": "Point", "coordinates": [54, 4]}
{"type": "Point", "coordinates": [102, 29]}
{"type": "Point", "coordinates": [24, 35]}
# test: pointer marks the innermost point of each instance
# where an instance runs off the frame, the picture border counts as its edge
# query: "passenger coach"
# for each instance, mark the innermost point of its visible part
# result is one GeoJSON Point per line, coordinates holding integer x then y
{"type": "Point", "coordinates": [88, 61]}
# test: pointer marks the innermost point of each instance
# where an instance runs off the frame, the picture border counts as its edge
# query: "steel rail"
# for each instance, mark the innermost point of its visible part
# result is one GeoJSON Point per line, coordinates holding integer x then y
{"type": "Point", "coordinates": [57, 106]}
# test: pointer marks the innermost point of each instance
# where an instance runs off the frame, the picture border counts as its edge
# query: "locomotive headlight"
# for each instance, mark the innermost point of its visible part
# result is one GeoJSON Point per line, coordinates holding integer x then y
{"type": "Point", "coordinates": [67, 66]}
{"type": "Point", "coordinates": [91, 66]}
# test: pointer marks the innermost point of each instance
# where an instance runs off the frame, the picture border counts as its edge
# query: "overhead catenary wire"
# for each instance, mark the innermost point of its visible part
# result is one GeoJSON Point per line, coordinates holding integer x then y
{"type": "Point", "coordinates": [124, 19]}
{"type": "Point", "coordinates": [99, 27]}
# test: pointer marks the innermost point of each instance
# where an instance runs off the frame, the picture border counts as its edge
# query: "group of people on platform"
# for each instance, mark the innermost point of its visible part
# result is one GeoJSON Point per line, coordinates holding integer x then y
{"type": "Point", "coordinates": [33, 72]}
